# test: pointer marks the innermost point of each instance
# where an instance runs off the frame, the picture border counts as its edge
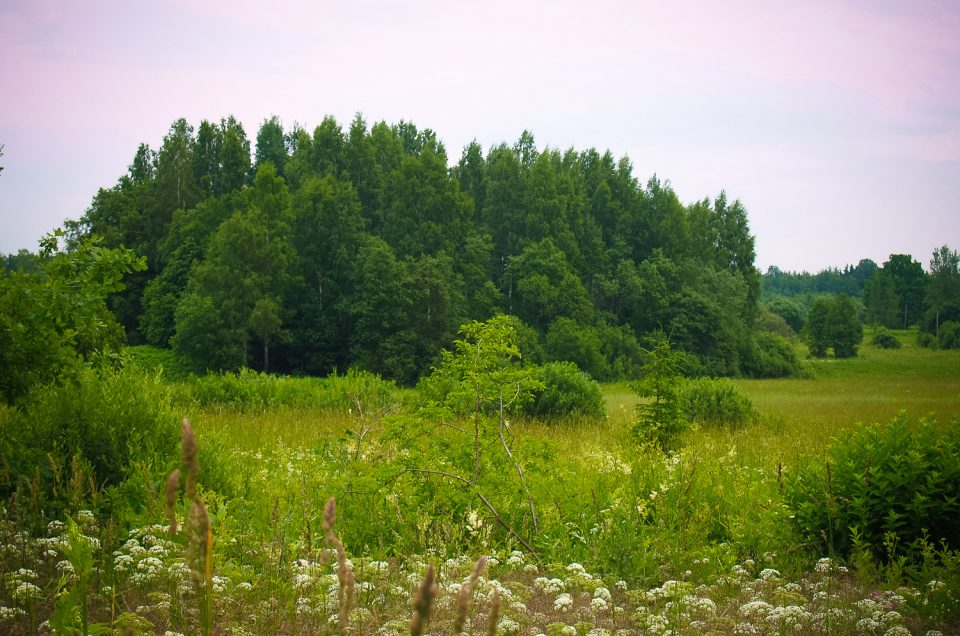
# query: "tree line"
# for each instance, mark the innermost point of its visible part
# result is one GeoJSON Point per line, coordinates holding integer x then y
{"type": "Point", "coordinates": [898, 294]}
{"type": "Point", "coordinates": [308, 252]}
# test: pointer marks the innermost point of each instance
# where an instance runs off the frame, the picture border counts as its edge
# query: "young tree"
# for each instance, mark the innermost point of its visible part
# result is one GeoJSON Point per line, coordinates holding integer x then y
{"type": "Point", "coordinates": [659, 418]}
{"type": "Point", "coordinates": [816, 331]}
{"type": "Point", "coordinates": [481, 379]}
{"type": "Point", "coordinates": [844, 328]}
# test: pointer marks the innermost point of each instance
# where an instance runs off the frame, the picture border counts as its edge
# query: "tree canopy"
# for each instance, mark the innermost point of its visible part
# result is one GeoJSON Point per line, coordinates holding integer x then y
{"type": "Point", "coordinates": [363, 247]}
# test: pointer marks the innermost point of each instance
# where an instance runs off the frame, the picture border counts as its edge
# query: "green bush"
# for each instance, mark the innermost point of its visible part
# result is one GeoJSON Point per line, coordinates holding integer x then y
{"type": "Point", "coordinates": [927, 340]}
{"type": "Point", "coordinates": [251, 391]}
{"type": "Point", "coordinates": [155, 359]}
{"type": "Point", "coordinates": [770, 356]}
{"type": "Point", "coordinates": [887, 488]}
{"type": "Point", "coordinates": [949, 335]}
{"type": "Point", "coordinates": [109, 421]}
{"type": "Point", "coordinates": [567, 391]}
{"type": "Point", "coordinates": [885, 340]}
{"type": "Point", "coordinates": [714, 401]}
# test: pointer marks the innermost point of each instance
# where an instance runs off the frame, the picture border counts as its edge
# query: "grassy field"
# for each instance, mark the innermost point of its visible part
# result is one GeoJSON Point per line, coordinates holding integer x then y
{"type": "Point", "coordinates": [627, 539]}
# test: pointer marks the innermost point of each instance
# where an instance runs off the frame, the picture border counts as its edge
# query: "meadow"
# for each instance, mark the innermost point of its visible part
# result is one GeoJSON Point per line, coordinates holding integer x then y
{"type": "Point", "coordinates": [575, 529]}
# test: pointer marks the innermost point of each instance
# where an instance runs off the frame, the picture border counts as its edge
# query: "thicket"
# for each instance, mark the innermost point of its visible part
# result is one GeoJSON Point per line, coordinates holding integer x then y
{"type": "Point", "coordinates": [883, 339]}
{"type": "Point", "coordinates": [566, 391]}
{"type": "Point", "coordinates": [889, 489]}
{"type": "Point", "coordinates": [714, 402]}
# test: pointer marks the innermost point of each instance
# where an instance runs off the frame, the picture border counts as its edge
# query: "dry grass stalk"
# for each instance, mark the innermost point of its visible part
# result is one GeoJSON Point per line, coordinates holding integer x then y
{"type": "Point", "coordinates": [173, 483]}
{"type": "Point", "coordinates": [198, 534]}
{"type": "Point", "coordinates": [466, 596]}
{"type": "Point", "coordinates": [421, 604]}
{"type": "Point", "coordinates": [344, 574]}
{"type": "Point", "coordinates": [190, 460]}
{"type": "Point", "coordinates": [494, 614]}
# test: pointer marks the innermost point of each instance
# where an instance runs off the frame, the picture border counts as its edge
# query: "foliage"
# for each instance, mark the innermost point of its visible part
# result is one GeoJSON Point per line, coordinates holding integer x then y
{"type": "Point", "coordinates": [850, 280]}
{"type": "Point", "coordinates": [358, 247]}
{"type": "Point", "coordinates": [771, 356]}
{"type": "Point", "coordinates": [883, 339]}
{"type": "Point", "coordinates": [943, 290]}
{"type": "Point", "coordinates": [833, 323]}
{"type": "Point", "coordinates": [791, 310]}
{"type": "Point", "coordinates": [54, 321]}
{"type": "Point", "coordinates": [567, 391]}
{"type": "Point", "coordinates": [252, 391]}
{"type": "Point", "coordinates": [910, 282]}
{"type": "Point", "coordinates": [949, 335]}
{"type": "Point", "coordinates": [714, 402]}
{"type": "Point", "coordinates": [882, 302]}
{"type": "Point", "coordinates": [660, 420]}
{"type": "Point", "coordinates": [110, 422]}
{"type": "Point", "coordinates": [887, 488]}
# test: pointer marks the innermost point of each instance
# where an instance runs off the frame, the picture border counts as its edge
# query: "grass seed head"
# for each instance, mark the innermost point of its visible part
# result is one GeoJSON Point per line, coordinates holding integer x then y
{"type": "Point", "coordinates": [173, 482]}
{"type": "Point", "coordinates": [466, 596]}
{"type": "Point", "coordinates": [421, 603]}
{"type": "Point", "coordinates": [494, 614]}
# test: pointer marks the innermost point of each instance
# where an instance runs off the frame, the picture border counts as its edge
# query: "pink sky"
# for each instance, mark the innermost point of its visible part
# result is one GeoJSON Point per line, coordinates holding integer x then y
{"type": "Point", "coordinates": [836, 123]}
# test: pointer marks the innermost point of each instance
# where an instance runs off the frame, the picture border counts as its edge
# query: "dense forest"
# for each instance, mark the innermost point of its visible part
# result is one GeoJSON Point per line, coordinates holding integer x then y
{"type": "Point", "coordinates": [364, 248]}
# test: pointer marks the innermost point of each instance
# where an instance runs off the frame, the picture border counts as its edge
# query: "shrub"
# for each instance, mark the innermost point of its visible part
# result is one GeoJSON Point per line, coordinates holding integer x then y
{"type": "Point", "coordinates": [885, 340]}
{"type": "Point", "coordinates": [714, 401]}
{"type": "Point", "coordinates": [108, 421]}
{"type": "Point", "coordinates": [949, 335]}
{"type": "Point", "coordinates": [770, 356]}
{"type": "Point", "coordinates": [250, 390]}
{"type": "Point", "coordinates": [927, 340]}
{"type": "Point", "coordinates": [567, 391]}
{"type": "Point", "coordinates": [887, 488]}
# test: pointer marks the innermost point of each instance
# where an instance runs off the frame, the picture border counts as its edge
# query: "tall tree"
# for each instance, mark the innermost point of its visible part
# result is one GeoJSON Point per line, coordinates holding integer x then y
{"type": "Point", "coordinates": [910, 282]}
{"type": "Point", "coordinates": [271, 145]}
{"type": "Point", "coordinates": [881, 301]}
{"type": "Point", "coordinates": [943, 289]}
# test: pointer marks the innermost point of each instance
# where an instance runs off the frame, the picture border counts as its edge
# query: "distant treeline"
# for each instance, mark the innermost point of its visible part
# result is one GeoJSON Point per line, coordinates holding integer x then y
{"type": "Point", "coordinates": [898, 294]}
{"type": "Point", "coordinates": [337, 248]}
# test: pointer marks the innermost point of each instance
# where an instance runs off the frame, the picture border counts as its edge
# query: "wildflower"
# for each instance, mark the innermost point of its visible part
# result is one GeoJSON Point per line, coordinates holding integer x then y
{"type": "Point", "coordinates": [769, 574]}
{"type": "Point", "coordinates": [897, 630]}
{"type": "Point", "coordinates": [508, 626]}
{"type": "Point", "coordinates": [10, 613]}
{"type": "Point", "coordinates": [515, 558]}
{"type": "Point", "coordinates": [598, 604]}
{"type": "Point", "coordinates": [563, 602]}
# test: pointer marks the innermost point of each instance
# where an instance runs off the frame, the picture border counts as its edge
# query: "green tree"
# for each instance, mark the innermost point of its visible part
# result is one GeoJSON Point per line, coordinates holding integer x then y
{"type": "Point", "coordinates": [567, 340]}
{"type": "Point", "coordinates": [910, 282]}
{"type": "Point", "coordinates": [544, 286]}
{"type": "Point", "coordinates": [792, 311]}
{"type": "Point", "coordinates": [327, 233]}
{"type": "Point", "coordinates": [482, 379]}
{"type": "Point", "coordinates": [844, 328]}
{"type": "Point", "coordinates": [816, 331]}
{"type": "Point", "coordinates": [943, 289]}
{"type": "Point", "coordinates": [659, 417]}
{"type": "Point", "coordinates": [382, 337]}
{"type": "Point", "coordinates": [247, 261]}
{"type": "Point", "coordinates": [271, 145]}
{"type": "Point", "coordinates": [882, 301]}
{"type": "Point", "coordinates": [55, 320]}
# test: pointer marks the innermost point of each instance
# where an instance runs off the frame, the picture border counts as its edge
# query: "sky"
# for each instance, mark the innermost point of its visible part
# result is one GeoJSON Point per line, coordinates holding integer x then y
{"type": "Point", "coordinates": [835, 122]}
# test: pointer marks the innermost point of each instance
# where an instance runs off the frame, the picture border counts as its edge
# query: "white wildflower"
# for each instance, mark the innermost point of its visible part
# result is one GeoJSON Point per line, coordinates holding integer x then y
{"type": "Point", "coordinates": [563, 602]}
